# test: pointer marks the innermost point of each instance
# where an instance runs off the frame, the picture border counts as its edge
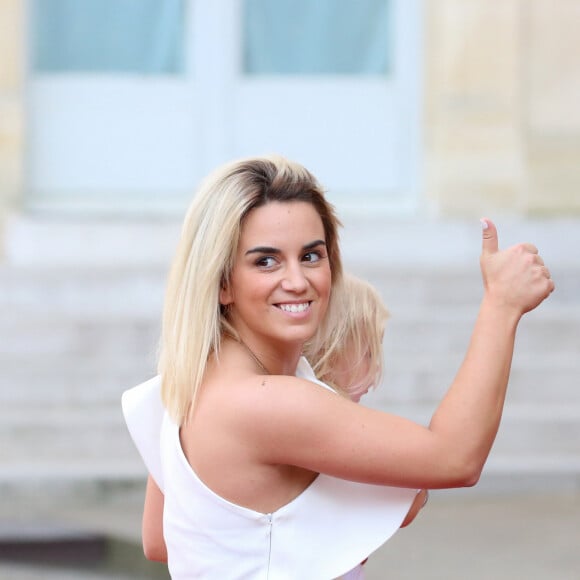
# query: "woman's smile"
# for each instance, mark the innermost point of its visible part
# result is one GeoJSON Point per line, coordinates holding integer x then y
{"type": "Point", "coordinates": [295, 308]}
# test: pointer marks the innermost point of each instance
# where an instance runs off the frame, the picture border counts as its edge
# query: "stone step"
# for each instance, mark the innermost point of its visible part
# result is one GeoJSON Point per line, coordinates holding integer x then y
{"type": "Point", "coordinates": [445, 330]}
{"type": "Point", "coordinates": [77, 337]}
{"type": "Point", "coordinates": [90, 380]}
{"type": "Point", "coordinates": [72, 434]}
{"type": "Point", "coordinates": [79, 480]}
{"type": "Point", "coordinates": [97, 434]}
{"type": "Point", "coordinates": [139, 291]}
{"type": "Point", "coordinates": [67, 380]}
{"type": "Point", "coordinates": [84, 292]}
{"type": "Point", "coordinates": [131, 469]}
{"type": "Point", "coordinates": [78, 483]}
{"type": "Point", "coordinates": [405, 288]}
{"type": "Point", "coordinates": [426, 378]}
{"type": "Point", "coordinates": [34, 240]}
{"type": "Point", "coordinates": [526, 429]}
{"type": "Point", "coordinates": [547, 324]}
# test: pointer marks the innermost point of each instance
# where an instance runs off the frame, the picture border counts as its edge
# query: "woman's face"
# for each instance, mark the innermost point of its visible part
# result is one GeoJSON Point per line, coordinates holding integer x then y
{"type": "Point", "coordinates": [280, 283]}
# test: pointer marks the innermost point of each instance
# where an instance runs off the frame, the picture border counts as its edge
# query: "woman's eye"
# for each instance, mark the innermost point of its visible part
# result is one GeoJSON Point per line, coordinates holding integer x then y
{"type": "Point", "coordinates": [266, 262]}
{"type": "Point", "coordinates": [312, 257]}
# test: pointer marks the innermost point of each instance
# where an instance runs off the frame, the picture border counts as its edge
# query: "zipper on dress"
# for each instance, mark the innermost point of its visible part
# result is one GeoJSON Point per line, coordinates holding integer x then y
{"type": "Point", "coordinates": [269, 543]}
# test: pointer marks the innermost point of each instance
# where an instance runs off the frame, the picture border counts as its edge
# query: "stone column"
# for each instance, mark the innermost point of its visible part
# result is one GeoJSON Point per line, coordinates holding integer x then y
{"type": "Point", "coordinates": [473, 131]}
{"type": "Point", "coordinates": [12, 67]}
{"type": "Point", "coordinates": [552, 107]}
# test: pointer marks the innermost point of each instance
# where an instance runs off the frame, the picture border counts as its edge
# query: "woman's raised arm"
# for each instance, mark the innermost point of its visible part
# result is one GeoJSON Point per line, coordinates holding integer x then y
{"type": "Point", "coordinates": [515, 282]}
{"type": "Point", "coordinates": [314, 429]}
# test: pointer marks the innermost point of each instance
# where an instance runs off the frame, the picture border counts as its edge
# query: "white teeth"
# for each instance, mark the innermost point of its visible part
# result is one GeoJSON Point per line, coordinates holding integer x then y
{"type": "Point", "coordinates": [294, 307]}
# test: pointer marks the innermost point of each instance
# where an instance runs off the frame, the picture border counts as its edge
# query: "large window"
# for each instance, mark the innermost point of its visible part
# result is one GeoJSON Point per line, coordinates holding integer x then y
{"type": "Point", "coordinates": [104, 36]}
{"type": "Point", "coordinates": [317, 37]}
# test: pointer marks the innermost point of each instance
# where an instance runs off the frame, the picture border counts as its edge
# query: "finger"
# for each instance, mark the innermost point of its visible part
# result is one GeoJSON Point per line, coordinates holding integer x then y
{"type": "Point", "coordinates": [530, 248]}
{"type": "Point", "coordinates": [490, 244]}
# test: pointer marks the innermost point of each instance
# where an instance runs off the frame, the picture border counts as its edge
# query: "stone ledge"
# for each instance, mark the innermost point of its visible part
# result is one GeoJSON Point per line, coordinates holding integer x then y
{"type": "Point", "coordinates": [45, 483]}
{"type": "Point", "coordinates": [37, 240]}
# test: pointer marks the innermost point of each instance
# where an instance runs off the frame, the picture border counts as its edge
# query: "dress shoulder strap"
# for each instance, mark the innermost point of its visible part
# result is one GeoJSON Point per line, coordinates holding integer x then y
{"type": "Point", "coordinates": [304, 371]}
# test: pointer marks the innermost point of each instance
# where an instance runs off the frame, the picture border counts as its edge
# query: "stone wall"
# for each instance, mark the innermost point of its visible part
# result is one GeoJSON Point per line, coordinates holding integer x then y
{"type": "Point", "coordinates": [552, 107]}
{"type": "Point", "coordinates": [472, 131]}
{"type": "Point", "coordinates": [502, 130]}
{"type": "Point", "coordinates": [501, 115]}
{"type": "Point", "coordinates": [11, 103]}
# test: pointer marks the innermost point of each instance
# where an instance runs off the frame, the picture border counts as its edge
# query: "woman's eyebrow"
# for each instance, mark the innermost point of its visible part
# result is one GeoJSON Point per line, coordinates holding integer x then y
{"type": "Point", "coordinates": [275, 251]}
{"type": "Point", "coordinates": [313, 245]}
{"type": "Point", "coordinates": [262, 250]}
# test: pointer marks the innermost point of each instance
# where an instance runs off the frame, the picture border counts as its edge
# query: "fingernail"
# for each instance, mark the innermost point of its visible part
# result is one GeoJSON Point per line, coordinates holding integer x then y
{"type": "Point", "coordinates": [484, 224]}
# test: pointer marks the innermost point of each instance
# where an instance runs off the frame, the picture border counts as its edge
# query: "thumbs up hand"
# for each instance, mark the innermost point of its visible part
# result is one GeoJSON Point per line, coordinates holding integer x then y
{"type": "Point", "coordinates": [515, 278]}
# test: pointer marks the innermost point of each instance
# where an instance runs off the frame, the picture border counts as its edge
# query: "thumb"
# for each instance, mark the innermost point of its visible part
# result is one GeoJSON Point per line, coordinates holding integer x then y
{"type": "Point", "coordinates": [490, 244]}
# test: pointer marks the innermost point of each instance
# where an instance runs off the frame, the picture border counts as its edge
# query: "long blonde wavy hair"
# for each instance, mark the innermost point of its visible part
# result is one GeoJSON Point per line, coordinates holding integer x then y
{"type": "Point", "coordinates": [193, 320]}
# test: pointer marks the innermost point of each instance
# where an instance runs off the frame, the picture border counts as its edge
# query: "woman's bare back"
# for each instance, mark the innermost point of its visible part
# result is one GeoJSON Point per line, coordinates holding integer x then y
{"type": "Point", "coordinates": [215, 441]}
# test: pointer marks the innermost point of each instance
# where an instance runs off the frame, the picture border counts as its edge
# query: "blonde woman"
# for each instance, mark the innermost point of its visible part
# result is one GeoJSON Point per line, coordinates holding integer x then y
{"type": "Point", "coordinates": [256, 472]}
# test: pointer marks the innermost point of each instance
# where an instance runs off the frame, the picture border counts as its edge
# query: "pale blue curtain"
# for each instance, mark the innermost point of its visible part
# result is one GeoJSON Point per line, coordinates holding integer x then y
{"type": "Point", "coordinates": [108, 36]}
{"type": "Point", "coordinates": [316, 37]}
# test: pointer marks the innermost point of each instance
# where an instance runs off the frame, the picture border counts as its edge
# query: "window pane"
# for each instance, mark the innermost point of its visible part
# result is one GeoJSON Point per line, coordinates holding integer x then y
{"type": "Point", "coordinates": [139, 36]}
{"type": "Point", "coordinates": [316, 37]}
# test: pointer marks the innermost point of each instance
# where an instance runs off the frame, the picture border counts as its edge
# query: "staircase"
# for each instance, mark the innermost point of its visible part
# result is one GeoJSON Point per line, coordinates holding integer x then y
{"type": "Point", "coordinates": [77, 331]}
{"type": "Point", "coordinates": [73, 339]}
{"type": "Point", "coordinates": [432, 315]}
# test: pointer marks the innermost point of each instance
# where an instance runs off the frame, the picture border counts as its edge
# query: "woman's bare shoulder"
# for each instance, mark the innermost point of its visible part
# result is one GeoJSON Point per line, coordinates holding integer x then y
{"type": "Point", "coordinates": [283, 409]}
{"type": "Point", "coordinates": [263, 392]}
{"type": "Point", "coordinates": [293, 421]}
{"type": "Point", "coordinates": [268, 406]}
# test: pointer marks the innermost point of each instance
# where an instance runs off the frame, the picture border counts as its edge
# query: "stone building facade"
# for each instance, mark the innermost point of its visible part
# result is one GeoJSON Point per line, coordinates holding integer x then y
{"type": "Point", "coordinates": [81, 292]}
{"type": "Point", "coordinates": [12, 105]}
{"type": "Point", "coordinates": [500, 88]}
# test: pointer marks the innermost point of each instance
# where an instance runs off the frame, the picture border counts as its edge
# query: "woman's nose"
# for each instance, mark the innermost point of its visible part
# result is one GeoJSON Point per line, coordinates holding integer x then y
{"type": "Point", "coordinates": [294, 279]}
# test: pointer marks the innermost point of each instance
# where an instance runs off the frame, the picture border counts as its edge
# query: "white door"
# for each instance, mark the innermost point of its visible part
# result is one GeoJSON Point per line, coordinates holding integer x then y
{"type": "Point", "coordinates": [113, 103]}
{"type": "Point", "coordinates": [334, 84]}
{"type": "Point", "coordinates": [131, 103]}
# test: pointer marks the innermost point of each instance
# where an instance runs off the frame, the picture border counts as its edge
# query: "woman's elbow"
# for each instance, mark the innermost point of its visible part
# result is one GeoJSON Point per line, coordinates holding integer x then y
{"type": "Point", "coordinates": [471, 479]}
{"type": "Point", "coordinates": [461, 473]}
{"type": "Point", "coordinates": [468, 474]}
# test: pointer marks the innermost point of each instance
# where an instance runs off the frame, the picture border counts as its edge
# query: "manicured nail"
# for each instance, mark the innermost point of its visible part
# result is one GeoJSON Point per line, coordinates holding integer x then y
{"type": "Point", "coordinates": [484, 224]}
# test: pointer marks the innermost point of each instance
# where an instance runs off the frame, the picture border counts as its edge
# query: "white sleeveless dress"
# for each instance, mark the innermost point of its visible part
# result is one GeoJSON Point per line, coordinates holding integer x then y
{"type": "Point", "coordinates": [324, 533]}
